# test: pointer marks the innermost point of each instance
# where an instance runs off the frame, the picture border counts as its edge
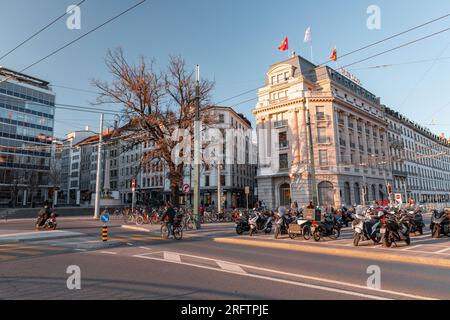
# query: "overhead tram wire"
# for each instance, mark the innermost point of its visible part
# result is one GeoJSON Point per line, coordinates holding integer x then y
{"type": "Point", "coordinates": [398, 47]}
{"type": "Point", "coordinates": [78, 38]}
{"type": "Point", "coordinates": [390, 37]}
{"type": "Point", "coordinates": [38, 32]}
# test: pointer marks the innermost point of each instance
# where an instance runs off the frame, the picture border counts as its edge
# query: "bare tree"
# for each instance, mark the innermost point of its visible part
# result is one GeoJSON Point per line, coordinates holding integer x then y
{"type": "Point", "coordinates": [155, 104]}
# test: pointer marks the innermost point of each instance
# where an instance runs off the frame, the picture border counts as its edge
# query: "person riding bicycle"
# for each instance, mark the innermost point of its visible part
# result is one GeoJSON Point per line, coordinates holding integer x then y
{"type": "Point", "coordinates": [170, 214]}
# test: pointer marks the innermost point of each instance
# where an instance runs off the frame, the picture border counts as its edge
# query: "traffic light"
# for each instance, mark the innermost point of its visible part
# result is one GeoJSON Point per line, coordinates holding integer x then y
{"type": "Point", "coordinates": [389, 188]}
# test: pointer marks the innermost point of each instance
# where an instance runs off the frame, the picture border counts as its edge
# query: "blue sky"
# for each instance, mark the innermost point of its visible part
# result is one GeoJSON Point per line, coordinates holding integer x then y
{"type": "Point", "coordinates": [235, 42]}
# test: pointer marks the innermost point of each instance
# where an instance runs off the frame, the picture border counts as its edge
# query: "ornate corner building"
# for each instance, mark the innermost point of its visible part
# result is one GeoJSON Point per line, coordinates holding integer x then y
{"type": "Point", "coordinates": [349, 137]}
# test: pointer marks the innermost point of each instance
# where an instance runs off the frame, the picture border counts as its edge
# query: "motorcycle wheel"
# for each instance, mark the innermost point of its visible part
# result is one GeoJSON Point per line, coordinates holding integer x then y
{"type": "Point", "coordinates": [239, 231]}
{"type": "Point", "coordinates": [251, 231]}
{"type": "Point", "coordinates": [306, 233]}
{"type": "Point", "coordinates": [377, 240]}
{"type": "Point", "coordinates": [316, 235]}
{"type": "Point", "coordinates": [277, 232]}
{"type": "Point", "coordinates": [139, 221]}
{"type": "Point", "coordinates": [408, 240]}
{"type": "Point", "coordinates": [356, 239]}
{"type": "Point", "coordinates": [387, 242]}
{"type": "Point", "coordinates": [436, 232]}
{"type": "Point", "coordinates": [336, 233]}
{"type": "Point", "coordinates": [268, 230]}
{"type": "Point", "coordinates": [178, 233]}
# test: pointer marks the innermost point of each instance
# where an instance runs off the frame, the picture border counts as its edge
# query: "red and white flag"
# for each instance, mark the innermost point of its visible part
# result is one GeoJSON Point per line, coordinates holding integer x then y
{"type": "Point", "coordinates": [284, 45]}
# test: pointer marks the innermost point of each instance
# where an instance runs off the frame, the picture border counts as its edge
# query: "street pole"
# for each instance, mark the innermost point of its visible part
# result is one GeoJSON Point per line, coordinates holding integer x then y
{"type": "Point", "coordinates": [219, 188]}
{"type": "Point", "coordinates": [99, 162]}
{"type": "Point", "coordinates": [197, 150]}
{"type": "Point", "coordinates": [311, 156]}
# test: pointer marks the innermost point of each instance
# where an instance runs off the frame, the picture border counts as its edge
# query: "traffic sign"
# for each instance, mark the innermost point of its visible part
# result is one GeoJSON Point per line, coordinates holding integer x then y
{"type": "Point", "coordinates": [186, 188]}
{"type": "Point", "coordinates": [133, 185]}
{"type": "Point", "coordinates": [105, 218]}
{"type": "Point", "coordinates": [398, 198]}
{"type": "Point", "coordinates": [247, 190]}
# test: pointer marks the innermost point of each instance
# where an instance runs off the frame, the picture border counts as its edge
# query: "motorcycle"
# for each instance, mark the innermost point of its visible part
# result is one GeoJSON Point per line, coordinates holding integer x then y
{"type": "Point", "coordinates": [416, 221]}
{"type": "Point", "coordinates": [440, 223]}
{"type": "Point", "coordinates": [260, 222]}
{"type": "Point", "coordinates": [242, 223]}
{"type": "Point", "coordinates": [327, 228]}
{"type": "Point", "coordinates": [365, 229]}
{"type": "Point", "coordinates": [282, 224]}
{"type": "Point", "coordinates": [346, 216]}
{"type": "Point", "coordinates": [394, 228]}
{"type": "Point", "coordinates": [49, 224]}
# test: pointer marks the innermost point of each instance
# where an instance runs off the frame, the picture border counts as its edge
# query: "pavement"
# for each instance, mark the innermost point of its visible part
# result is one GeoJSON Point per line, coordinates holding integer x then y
{"type": "Point", "coordinates": [211, 263]}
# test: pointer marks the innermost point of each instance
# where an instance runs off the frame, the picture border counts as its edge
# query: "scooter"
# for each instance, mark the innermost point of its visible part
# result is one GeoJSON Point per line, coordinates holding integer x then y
{"type": "Point", "coordinates": [282, 225]}
{"type": "Point", "coordinates": [365, 229]}
{"type": "Point", "coordinates": [49, 224]}
{"type": "Point", "coordinates": [440, 221]}
{"type": "Point", "coordinates": [394, 228]}
{"type": "Point", "coordinates": [327, 228]}
{"type": "Point", "coordinates": [242, 223]}
{"type": "Point", "coordinates": [260, 222]}
{"type": "Point", "coordinates": [416, 221]}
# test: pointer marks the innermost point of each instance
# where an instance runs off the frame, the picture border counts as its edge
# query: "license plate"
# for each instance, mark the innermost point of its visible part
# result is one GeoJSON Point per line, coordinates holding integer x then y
{"type": "Point", "coordinates": [383, 230]}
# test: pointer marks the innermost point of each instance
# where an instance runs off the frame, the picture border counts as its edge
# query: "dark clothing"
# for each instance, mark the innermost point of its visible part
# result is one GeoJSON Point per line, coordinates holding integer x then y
{"type": "Point", "coordinates": [170, 213]}
{"type": "Point", "coordinates": [44, 215]}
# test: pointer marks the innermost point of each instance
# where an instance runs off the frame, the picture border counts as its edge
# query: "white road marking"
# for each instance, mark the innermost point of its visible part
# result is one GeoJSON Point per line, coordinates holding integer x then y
{"type": "Point", "coordinates": [108, 252]}
{"type": "Point", "coordinates": [173, 257]}
{"type": "Point", "coordinates": [145, 248]}
{"type": "Point", "coordinates": [443, 250]}
{"type": "Point", "coordinates": [83, 250]}
{"type": "Point", "coordinates": [230, 267]}
{"type": "Point", "coordinates": [327, 281]}
{"type": "Point", "coordinates": [129, 243]}
{"type": "Point", "coordinates": [413, 247]}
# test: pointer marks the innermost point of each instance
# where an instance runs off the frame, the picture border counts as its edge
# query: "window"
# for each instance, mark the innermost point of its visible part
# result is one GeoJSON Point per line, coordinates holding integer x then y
{"type": "Point", "coordinates": [282, 140]}
{"type": "Point", "coordinates": [284, 164]}
{"type": "Point", "coordinates": [206, 181]}
{"type": "Point", "coordinates": [222, 180]}
{"type": "Point", "coordinates": [323, 158]}
{"type": "Point", "coordinates": [221, 118]}
{"type": "Point", "coordinates": [322, 135]}
{"type": "Point", "coordinates": [320, 113]}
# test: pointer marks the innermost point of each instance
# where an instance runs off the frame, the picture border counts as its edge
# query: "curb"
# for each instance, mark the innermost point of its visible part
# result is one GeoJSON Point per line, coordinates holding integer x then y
{"type": "Point", "coordinates": [140, 229]}
{"type": "Point", "coordinates": [67, 236]}
{"type": "Point", "coordinates": [342, 252]}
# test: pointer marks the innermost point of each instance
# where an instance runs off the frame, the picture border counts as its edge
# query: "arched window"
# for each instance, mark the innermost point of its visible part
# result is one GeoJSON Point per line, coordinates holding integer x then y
{"type": "Point", "coordinates": [326, 193]}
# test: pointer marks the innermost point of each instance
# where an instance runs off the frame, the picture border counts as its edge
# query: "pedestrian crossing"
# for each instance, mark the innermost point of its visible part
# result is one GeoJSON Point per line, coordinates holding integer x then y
{"type": "Point", "coordinates": [14, 251]}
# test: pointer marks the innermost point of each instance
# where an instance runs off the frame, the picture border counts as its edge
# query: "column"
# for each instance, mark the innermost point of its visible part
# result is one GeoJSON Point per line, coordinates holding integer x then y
{"type": "Point", "coordinates": [295, 136]}
{"type": "Point", "coordinates": [347, 139]}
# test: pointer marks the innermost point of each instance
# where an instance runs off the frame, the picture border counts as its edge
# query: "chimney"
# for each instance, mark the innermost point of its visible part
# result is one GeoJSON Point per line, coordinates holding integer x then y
{"type": "Point", "coordinates": [87, 128]}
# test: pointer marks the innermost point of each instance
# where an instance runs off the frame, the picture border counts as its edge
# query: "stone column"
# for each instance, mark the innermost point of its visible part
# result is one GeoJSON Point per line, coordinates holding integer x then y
{"type": "Point", "coordinates": [347, 139]}
{"type": "Point", "coordinates": [295, 136]}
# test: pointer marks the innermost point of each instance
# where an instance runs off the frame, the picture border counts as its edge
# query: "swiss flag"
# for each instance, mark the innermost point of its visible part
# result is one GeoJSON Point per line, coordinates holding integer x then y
{"type": "Point", "coordinates": [284, 45]}
{"type": "Point", "coordinates": [334, 55]}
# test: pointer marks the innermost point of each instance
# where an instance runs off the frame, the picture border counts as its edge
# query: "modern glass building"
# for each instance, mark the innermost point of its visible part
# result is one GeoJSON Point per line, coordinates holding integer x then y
{"type": "Point", "coordinates": [27, 107]}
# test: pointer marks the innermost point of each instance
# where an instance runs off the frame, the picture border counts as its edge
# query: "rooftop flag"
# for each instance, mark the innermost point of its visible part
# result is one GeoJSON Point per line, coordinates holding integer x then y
{"type": "Point", "coordinates": [284, 45]}
{"type": "Point", "coordinates": [308, 35]}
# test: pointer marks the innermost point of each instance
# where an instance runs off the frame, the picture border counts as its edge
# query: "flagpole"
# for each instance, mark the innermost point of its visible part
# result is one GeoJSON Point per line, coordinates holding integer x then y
{"type": "Point", "coordinates": [312, 54]}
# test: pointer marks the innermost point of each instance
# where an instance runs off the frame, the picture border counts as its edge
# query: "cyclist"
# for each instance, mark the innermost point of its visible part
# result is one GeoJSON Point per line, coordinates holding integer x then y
{"type": "Point", "coordinates": [170, 214]}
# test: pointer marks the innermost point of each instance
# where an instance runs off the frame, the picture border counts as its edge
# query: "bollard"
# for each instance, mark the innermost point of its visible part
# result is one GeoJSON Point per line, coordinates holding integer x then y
{"type": "Point", "coordinates": [104, 233]}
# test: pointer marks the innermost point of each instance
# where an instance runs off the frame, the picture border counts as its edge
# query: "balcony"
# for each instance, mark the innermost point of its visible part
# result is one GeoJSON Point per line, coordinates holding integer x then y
{"type": "Point", "coordinates": [341, 122]}
{"type": "Point", "coordinates": [399, 173]}
{"type": "Point", "coordinates": [280, 124]}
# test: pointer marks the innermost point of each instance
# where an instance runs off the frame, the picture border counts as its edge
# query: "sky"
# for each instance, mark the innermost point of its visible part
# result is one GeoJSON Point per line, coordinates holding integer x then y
{"type": "Point", "coordinates": [235, 42]}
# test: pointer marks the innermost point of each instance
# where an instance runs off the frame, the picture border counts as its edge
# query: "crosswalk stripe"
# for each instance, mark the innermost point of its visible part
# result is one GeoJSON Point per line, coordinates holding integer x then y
{"type": "Point", "coordinates": [6, 257]}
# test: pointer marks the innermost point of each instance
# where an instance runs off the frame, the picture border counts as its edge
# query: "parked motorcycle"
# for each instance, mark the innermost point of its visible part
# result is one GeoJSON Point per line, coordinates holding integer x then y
{"type": "Point", "coordinates": [300, 228]}
{"type": "Point", "coordinates": [394, 228]}
{"type": "Point", "coordinates": [260, 222]}
{"type": "Point", "coordinates": [242, 223]}
{"type": "Point", "coordinates": [327, 228]}
{"type": "Point", "coordinates": [440, 221]}
{"type": "Point", "coordinates": [365, 229]}
{"type": "Point", "coordinates": [416, 221]}
{"type": "Point", "coordinates": [282, 222]}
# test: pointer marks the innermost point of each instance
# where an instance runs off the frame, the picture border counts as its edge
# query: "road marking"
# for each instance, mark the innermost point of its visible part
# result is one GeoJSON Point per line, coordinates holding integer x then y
{"type": "Point", "coordinates": [6, 257]}
{"type": "Point", "coordinates": [173, 257]}
{"type": "Point", "coordinates": [129, 243]}
{"type": "Point", "coordinates": [83, 250]}
{"type": "Point", "coordinates": [300, 284]}
{"type": "Point", "coordinates": [413, 247]}
{"type": "Point", "coordinates": [443, 250]}
{"type": "Point", "coordinates": [108, 252]}
{"type": "Point", "coordinates": [146, 248]}
{"type": "Point", "coordinates": [328, 281]}
{"type": "Point", "coordinates": [230, 266]}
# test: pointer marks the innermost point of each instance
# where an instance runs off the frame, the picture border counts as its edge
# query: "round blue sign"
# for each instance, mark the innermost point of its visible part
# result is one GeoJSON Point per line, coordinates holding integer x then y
{"type": "Point", "coordinates": [105, 218]}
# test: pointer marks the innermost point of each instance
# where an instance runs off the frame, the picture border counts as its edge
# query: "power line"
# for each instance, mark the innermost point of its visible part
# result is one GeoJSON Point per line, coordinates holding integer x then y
{"type": "Point", "coordinates": [398, 47]}
{"type": "Point", "coordinates": [37, 33]}
{"type": "Point", "coordinates": [77, 39]}
{"type": "Point", "coordinates": [398, 64]}
{"type": "Point", "coordinates": [391, 37]}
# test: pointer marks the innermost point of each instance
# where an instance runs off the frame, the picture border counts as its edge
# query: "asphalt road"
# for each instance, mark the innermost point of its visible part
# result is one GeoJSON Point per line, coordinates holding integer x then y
{"type": "Point", "coordinates": [146, 267]}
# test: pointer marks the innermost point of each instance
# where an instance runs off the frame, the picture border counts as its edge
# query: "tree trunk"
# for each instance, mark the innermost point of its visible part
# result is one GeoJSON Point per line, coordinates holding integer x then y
{"type": "Point", "coordinates": [174, 192]}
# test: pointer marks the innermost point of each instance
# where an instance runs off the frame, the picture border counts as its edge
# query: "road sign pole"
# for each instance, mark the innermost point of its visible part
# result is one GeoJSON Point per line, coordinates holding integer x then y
{"type": "Point", "coordinates": [99, 164]}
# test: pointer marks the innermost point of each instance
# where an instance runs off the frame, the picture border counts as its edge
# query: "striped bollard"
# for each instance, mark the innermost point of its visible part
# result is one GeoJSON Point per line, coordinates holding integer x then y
{"type": "Point", "coordinates": [104, 233]}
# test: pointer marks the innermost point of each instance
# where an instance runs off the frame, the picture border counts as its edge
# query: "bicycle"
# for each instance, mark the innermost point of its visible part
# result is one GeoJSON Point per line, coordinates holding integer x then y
{"type": "Point", "coordinates": [177, 230]}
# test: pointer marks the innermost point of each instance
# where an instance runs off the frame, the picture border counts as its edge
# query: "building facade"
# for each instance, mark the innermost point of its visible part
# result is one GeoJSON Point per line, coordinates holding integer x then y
{"type": "Point", "coordinates": [349, 137]}
{"type": "Point", "coordinates": [420, 160]}
{"type": "Point", "coordinates": [27, 108]}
